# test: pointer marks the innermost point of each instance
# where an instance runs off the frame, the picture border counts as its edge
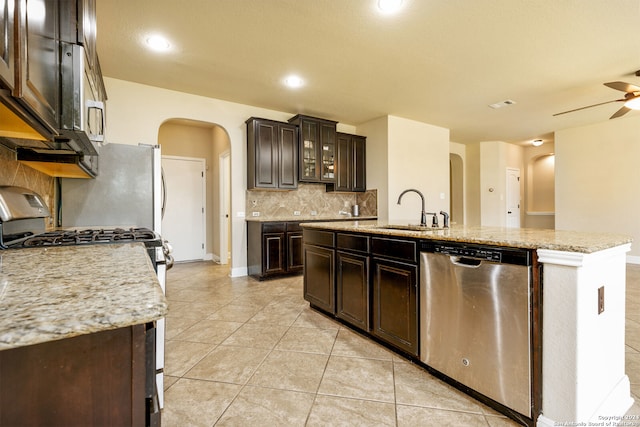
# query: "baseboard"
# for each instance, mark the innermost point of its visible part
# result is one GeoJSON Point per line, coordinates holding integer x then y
{"type": "Point", "coordinates": [239, 272]}
{"type": "Point", "coordinates": [633, 259]}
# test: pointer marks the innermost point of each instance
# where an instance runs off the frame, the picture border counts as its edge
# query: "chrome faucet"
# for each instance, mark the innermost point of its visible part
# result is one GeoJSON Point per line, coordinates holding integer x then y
{"type": "Point", "coordinates": [423, 213]}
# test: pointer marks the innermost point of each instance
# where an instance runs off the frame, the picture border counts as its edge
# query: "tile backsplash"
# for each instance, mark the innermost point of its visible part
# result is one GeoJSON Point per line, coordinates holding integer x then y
{"type": "Point", "coordinates": [309, 200]}
{"type": "Point", "coordinates": [12, 172]}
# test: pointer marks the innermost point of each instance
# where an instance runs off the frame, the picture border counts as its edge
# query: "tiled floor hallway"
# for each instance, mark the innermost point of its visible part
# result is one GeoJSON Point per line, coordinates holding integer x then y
{"type": "Point", "coordinates": [246, 353]}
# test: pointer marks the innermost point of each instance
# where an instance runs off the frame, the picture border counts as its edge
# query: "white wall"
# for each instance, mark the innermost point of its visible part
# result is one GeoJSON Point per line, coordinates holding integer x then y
{"type": "Point", "coordinates": [495, 158]}
{"type": "Point", "coordinates": [597, 179]}
{"type": "Point", "coordinates": [402, 154]}
{"type": "Point", "coordinates": [377, 133]}
{"type": "Point", "coordinates": [135, 113]}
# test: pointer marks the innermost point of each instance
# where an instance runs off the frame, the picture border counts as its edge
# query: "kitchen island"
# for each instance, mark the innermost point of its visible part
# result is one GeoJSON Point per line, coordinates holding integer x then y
{"type": "Point", "coordinates": [578, 334]}
{"type": "Point", "coordinates": [77, 335]}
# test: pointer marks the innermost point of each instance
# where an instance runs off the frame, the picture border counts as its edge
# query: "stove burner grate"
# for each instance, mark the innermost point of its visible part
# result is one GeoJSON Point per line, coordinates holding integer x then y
{"type": "Point", "coordinates": [90, 236]}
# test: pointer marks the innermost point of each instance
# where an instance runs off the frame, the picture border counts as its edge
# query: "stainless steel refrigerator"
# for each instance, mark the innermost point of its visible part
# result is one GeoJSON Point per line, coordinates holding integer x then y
{"type": "Point", "coordinates": [128, 192]}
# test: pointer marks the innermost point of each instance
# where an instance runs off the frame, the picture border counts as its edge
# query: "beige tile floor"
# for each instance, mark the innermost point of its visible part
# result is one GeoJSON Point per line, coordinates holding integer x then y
{"type": "Point", "coordinates": [240, 352]}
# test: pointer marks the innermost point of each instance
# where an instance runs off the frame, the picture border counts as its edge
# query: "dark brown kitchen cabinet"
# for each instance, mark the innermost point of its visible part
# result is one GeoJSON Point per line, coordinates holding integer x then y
{"type": "Point", "coordinates": [352, 279]}
{"type": "Point", "coordinates": [351, 174]}
{"type": "Point", "coordinates": [274, 248]}
{"type": "Point", "coordinates": [34, 65]}
{"type": "Point", "coordinates": [295, 250]}
{"type": "Point", "coordinates": [272, 154]}
{"type": "Point", "coordinates": [38, 78]}
{"type": "Point", "coordinates": [97, 379]}
{"type": "Point", "coordinates": [317, 145]}
{"type": "Point", "coordinates": [395, 290]}
{"type": "Point", "coordinates": [319, 269]}
{"type": "Point", "coordinates": [7, 52]}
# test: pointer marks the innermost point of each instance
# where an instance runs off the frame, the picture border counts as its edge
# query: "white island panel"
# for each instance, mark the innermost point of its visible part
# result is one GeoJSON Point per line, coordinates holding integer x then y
{"type": "Point", "coordinates": [583, 362]}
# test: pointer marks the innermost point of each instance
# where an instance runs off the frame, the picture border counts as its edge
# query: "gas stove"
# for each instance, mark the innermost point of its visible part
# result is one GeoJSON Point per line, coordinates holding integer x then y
{"type": "Point", "coordinates": [89, 237]}
{"type": "Point", "coordinates": [22, 226]}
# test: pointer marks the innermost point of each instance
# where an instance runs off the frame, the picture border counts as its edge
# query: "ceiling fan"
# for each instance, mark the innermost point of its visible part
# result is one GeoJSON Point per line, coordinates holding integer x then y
{"type": "Point", "coordinates": [631, 99]}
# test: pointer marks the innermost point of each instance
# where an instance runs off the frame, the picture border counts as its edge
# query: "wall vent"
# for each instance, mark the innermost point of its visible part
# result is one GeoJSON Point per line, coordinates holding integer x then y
{"type": "Point", "coordinates": [504, 103]}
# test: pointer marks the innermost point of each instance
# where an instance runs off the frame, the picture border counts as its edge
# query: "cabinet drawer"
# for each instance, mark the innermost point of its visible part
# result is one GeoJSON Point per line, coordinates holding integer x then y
{"type": "Point", "coordinates": [395, 248]}
{"type": "Point", "coordinates": [352, 242]}
{"type": "Point", "coordinates": [319, 238]}
{"type": "Point", "coordinates": [274, 227]}
{"type": "Point", "coordinates": [293, 226]}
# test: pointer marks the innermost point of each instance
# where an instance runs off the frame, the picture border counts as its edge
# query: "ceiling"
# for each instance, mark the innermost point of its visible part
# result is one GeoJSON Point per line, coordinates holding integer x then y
{"type": "Point", "coordinates": [440, 62]}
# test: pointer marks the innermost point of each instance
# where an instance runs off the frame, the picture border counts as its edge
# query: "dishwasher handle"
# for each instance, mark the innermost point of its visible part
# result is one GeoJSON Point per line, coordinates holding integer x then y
{"type": "Point", "coordinates": [465, 262]}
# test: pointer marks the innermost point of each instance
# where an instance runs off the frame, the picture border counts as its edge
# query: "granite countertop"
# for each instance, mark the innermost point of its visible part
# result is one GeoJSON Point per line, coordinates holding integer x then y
{"type": "Point", "coordinates": [560, 240]}
{"type": "Point", "coordinates": [52, 293]}
{"type": "Point", "coordinates": [308, 218]}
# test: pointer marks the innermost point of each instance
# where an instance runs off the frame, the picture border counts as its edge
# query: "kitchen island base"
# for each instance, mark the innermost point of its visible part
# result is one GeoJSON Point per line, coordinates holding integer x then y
{"type": "Point", "coordinates": [581, 338]}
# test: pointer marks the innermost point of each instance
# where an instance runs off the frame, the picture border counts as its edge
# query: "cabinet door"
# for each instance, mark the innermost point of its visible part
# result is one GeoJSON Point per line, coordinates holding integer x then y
{"type": "Point", "coordinates": [262, 158]}
{"type": "Point", "coordinates": [343, 162]}
{"type": "Point", "coordinates": [7, 52]}
{"type": "Point", "coordinates": [295, 253]}
{"type": "Point", "coordinates": [87, 29]}
{"type": "Point", "coordinates": [352, 288]}
{"type": "Point", "coordinates": [309, 149]}
{"type": "Point", "coordinates": [327, 156]}
{"type": "Point", "coordinates": [358, 163]}
{"type": "Point", "coordinates": [273, 253]}
{"type": "Point", "coordinates": [395, 307]}
{"type": "Point", "coordinates": [319, 273]}
{"type": "Point", "coordinates": [288, 156]}
{"type": "Point", "coordinates": [39, 81]}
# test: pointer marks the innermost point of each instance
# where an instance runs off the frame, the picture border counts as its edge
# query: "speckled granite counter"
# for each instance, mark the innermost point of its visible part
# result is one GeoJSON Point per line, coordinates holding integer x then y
{"type": "Point", "coordinates": [570, 241]}
{"type": "Point", "coordinates": [309, 218]}
{"type": "Point", "coordinates": [49, 294]}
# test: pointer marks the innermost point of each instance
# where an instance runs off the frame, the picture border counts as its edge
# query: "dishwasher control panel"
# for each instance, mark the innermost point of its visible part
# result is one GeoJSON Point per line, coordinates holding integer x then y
{"type": "Point", "coordinates": [497, 254]}
{"type": "Point", "coordinates": [488, 254]}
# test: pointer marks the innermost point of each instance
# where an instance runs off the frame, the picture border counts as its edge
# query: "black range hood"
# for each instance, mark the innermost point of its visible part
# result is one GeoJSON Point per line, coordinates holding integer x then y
{"type": "Point", "coordinates": [59, 163]}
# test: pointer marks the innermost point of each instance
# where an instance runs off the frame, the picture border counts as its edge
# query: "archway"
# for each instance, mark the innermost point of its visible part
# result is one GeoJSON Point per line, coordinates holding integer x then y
{"type": "Point", "coordinates": [197, 139]}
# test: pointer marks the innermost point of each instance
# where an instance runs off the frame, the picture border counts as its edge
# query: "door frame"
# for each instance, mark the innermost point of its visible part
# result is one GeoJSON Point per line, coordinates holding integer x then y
{"type": "Point", "coordinates": [225, 204]}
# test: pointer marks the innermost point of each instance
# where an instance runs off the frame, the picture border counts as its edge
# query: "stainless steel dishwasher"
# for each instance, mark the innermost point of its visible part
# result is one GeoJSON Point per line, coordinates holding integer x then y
{"type": "Point", "coordinates": [475, 318]}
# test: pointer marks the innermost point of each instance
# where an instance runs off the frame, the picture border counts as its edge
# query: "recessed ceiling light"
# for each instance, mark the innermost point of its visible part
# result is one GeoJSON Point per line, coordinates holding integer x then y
{"type": "Point", "coordinates": [293, 81]}
{"type": "Point", "coordinates": [158, 43]}
{"type": "Point", "coordinates": [389, 6]}
{"type": "Point", "coordinates": [536, 142]}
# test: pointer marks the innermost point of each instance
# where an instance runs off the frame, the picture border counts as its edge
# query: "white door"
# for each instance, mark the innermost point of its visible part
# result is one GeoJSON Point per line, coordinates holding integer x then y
{"type": "Point", "coordinates": [183, 224]}
{"type": "Point", "coordinates": [513, 197]}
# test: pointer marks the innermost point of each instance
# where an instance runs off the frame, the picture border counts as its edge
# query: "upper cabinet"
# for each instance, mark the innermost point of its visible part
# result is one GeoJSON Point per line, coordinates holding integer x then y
{"type": "Point", "coordinates": [7, 53]}
{"type": "Point", "coordinates": [317, 145]}
{"type": "Point", "coordinates": [51, 89]}
{"type": "Point", "coordinates": [38, 78]}
{"type": "Point", "coordinates": [272, 154]}
{"type": "Point", "coordinates": [351, 162]}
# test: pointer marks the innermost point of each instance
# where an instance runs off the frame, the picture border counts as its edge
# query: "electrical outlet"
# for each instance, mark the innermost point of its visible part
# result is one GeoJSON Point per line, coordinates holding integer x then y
{"type": "Point", "coordinates": [314, 213]}
{"type": "Point", "coordinates": [600, 299]}
{"type": "Point", "coordinates": [296, 213]}
{"type": "Point", "coordinates": [255, 213]}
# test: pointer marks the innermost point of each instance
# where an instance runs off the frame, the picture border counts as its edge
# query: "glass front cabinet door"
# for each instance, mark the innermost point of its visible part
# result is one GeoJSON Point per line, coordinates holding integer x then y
{"type": "Point", "coordinates": [316, 148]}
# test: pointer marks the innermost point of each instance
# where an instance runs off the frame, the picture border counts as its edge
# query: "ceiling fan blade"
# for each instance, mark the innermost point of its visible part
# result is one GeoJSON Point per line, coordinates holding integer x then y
{"type": "Point", "coordinates": [622, 86]}
{"type": "Point", "coordinates": [589, 106]}
{"type": "Point", "coordinates": [620, 112]}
